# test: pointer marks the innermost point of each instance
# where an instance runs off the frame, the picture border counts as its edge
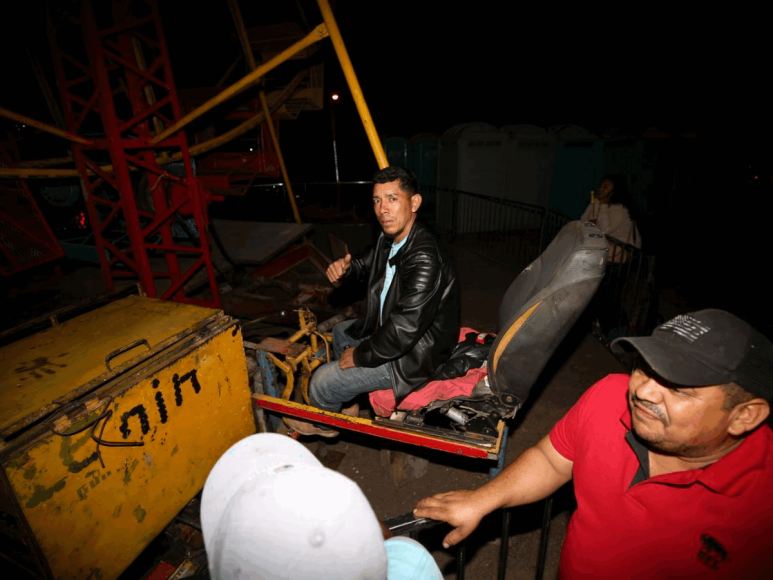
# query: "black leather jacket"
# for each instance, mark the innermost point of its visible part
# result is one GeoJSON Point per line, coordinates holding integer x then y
{"type": "Point", "coordinates": [421, 310]}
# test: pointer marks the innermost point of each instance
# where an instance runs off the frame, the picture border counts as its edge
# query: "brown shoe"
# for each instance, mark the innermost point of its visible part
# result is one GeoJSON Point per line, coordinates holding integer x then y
{"type": "Point", "coordinates": [306, 428]}
{"type": "Point", "coordinates": [351, 411]}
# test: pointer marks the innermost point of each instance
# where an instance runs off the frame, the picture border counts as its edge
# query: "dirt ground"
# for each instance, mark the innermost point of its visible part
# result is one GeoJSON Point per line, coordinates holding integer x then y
{"type": "Point", "coordinates": [394, 484]}
{"type": "Point", "coordinates": [395, 477]}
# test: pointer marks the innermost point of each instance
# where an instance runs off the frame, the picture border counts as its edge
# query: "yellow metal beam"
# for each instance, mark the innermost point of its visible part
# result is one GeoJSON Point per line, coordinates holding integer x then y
{"type": "Point", "coordinates": [251, 79]}
{"type": "Point", "coordinates": [24, 173]}
{"type": "Point", "coordinates": [43, 126]}
{"type": "Point", "coordinates": [247, 48]}
{"type": "Point", "coordinates": [275, 141]}
{"type": "Point", "coordinates": [242, 33]}
{"type": "Point", "coordinates": [354, 85]}
{"type": "Point", "coordinates": [46, 162]}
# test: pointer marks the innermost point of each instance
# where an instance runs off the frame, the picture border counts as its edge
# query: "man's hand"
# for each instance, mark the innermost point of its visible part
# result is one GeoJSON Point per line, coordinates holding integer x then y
{"type": "Point", "coordinates": [534, 475]}
{"type": "Point", "coordinates": [461, 509]}
{"type": "Point", "coordinates": [347, 359]}
{"type": "Point", "coordinates": [338, 268]}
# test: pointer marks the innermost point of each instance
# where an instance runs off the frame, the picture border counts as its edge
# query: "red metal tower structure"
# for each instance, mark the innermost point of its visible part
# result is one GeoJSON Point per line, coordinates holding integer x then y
{"type": "Point", "coordinates": [26, 240]}
{"type": "Point", "coordinates": [148, 215]}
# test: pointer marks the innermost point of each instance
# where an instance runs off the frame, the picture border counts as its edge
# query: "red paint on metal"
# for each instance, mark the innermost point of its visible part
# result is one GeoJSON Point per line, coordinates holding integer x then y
{"type": "Point", "coordinates": [125, 60]}
{"type": "Point", "coordinates": [27, 240]}
{"type": "Point", "coordinates": [412, 438]}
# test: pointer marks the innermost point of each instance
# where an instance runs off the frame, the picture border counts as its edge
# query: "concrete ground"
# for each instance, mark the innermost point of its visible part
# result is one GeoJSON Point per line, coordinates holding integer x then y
{"type": "Point", "coordinates": [394, 490]}
{"type": "Point", "coordinates": [394, 482]}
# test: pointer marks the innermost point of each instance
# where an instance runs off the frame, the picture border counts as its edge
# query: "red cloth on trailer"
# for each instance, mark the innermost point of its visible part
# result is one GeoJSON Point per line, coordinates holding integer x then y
{"type": "Point", "coordinates": [383, 402]}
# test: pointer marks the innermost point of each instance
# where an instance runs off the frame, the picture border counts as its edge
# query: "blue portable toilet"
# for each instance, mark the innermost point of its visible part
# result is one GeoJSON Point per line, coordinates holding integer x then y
{"type": "Point", "coordinates": [396, 149]}
{"type": "Point", "coordinates": [423, 161]}
{"type": "Point", "coordinates": [423, 158]}
{"type": "Point", "coordinates": [627, 157]}
{"type": "Point", "coordinates": [579, 165]}
{"type": "Point", "coordinates": [529, 163]}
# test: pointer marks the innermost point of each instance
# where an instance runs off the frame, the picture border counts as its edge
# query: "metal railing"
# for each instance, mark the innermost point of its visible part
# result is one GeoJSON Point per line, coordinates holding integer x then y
{"type": "Point", "coordinates": [505, 231]}
{"type": "Point", "coordinates": [510, 233]}
{"type": "Point", "coordinates": [625, 304]}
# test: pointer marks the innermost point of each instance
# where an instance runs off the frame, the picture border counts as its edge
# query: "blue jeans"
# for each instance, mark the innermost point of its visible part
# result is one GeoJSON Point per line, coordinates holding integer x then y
{"type": "Point", "coordinates": [331, 386]}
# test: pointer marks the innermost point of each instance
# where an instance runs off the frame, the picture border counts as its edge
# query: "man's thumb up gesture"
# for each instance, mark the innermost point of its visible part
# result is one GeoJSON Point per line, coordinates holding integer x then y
{"type": "Point", "coordinates": [338, 268]}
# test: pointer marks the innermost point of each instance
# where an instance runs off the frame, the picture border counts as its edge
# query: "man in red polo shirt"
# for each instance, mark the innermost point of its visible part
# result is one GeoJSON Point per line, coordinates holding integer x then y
{"type": "Point", "coordinates": [672, 466]}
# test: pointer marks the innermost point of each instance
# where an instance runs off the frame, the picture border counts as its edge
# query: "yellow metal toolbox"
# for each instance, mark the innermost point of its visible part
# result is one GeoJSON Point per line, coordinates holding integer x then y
{"type": "Point", "coordinates": [109, 425]}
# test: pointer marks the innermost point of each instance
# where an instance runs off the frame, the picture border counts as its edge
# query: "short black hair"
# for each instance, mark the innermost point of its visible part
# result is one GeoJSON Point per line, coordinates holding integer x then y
{"type": "Point", "coordinates": [408, 181]}
{"type": "Point", "coordinates": [735, 394]}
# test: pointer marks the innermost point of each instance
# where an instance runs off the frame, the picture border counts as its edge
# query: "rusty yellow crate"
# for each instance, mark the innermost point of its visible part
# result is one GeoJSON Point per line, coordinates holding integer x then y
{"type": "Point", "coordinates": [109, 425]}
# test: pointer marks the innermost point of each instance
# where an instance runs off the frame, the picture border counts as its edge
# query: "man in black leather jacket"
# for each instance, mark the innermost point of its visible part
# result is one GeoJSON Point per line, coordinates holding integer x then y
{"type": "Point", "coordinates": [411, 323]}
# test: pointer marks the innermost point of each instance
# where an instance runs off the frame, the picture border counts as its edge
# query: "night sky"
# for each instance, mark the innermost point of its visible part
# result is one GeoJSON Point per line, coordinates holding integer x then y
{"type": "Point", "coordinates": [425, 66]}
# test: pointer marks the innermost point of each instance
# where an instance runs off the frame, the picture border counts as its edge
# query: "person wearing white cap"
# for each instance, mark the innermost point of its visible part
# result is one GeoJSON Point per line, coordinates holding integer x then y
{"type": "Point", "coordinates": [672, 465]}
{"type": "Point", "coordinates": [271, 511]}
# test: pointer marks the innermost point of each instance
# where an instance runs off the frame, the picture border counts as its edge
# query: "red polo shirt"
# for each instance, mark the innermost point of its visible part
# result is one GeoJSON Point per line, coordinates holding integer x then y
{"type": "Point", "coordinates": [715, 522]}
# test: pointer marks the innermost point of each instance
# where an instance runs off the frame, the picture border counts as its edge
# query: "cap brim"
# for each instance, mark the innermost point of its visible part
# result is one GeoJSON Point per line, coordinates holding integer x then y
{"type": "Point", "coordinates": [672, 360]}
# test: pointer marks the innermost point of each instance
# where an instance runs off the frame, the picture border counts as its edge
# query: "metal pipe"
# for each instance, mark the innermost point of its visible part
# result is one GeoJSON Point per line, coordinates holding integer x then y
{"type": "Point", "coordinates": [228, 72]}
{"type": "Point", "coordinates": [354, 85]}
{"type": "Point", "coordinates": [251, 79]}
{"type": "Point", "coordinates": [543, 540]}
{"type": "Point", "coordinates": [275, 141]}
{"type": "Point", "coordinates": [247, 48]}
{"type": "Point", "coordinates": [25, 173]}
{"type": "Point", "coordinates": [46, 162]}
{"type": "Point", "coordinates": [504, 545]}
{"type": "Point", "coordinates": [53, 106]}
{"type": "Point", "coordinates": [461, 559]}
{"type": "Point", "coordinates": [250, 123]}
{"type": "Point", "coordinates": [242, 33]}
{"type": "Point", "coordinates": [43, 126]}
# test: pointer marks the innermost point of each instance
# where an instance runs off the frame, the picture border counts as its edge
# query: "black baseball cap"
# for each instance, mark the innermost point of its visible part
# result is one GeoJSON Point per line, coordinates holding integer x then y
{"type": "Point", "coordinates": [708, 347]}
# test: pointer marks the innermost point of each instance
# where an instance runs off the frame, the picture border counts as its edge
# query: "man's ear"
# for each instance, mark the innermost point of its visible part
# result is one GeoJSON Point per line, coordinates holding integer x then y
{"type": "Point", "coordinates": [747, 416]}
{"type": "Point", "coordinates": [415, 202]}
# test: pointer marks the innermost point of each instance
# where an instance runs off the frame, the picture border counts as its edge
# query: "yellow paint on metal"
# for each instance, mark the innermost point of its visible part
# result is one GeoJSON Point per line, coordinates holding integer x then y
{"type": "Point", "coordinates": [354, 84]}
{"type": "Point", "coordinates": [280, 158]}
{"type": "Point", "coordinates": [304, 359]}
{"type": "Point", "coordinates": [493, 450]}
{"type": "Point", "coordinates": [186, 405]}
{"type": "Point", "coordinates": [43, 126]}
{"type": "Point", "coordinates": [23, 173]}
{"type": "Point", "coordinates": [47, 366]}
{"type": "Point", "coordinates": [250, 80]}
{"type": "Point", "coordinates": [247, 49]}
{"type": "Point", "coordinates": [510, 333]}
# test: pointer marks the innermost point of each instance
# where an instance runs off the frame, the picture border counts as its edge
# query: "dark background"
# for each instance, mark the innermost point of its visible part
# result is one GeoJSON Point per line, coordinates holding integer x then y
{"type": "Point", "coordinates": [425, 66]}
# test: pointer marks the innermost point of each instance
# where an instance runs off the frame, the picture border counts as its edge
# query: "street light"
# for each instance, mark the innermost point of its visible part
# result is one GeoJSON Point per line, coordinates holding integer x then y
{"type": "Point", "coordinates": [333, 99]}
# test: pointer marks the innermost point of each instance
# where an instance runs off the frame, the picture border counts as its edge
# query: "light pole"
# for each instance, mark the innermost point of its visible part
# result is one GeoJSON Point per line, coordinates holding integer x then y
{"type": "Point", "coordinates": [334, 97]}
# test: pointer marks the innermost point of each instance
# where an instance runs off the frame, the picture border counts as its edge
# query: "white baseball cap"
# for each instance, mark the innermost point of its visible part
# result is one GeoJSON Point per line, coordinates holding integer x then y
{"type": "Point", "coordinates": [271, 510]}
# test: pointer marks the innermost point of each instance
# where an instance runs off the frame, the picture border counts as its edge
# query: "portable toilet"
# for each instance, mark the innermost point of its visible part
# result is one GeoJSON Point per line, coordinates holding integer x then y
{"type": "Point", "coordinates": [423, 158]}
{"type": "Point", "coordinates": [578, 168]}
{"type": "Point", "coordinates": [396, 149]}
{"type": "Point", "coordinates": [530, 157]}
{"type": "Point", "coordinates": [423, 161]}
{"type": "Point", "coordinates": [472, 160]}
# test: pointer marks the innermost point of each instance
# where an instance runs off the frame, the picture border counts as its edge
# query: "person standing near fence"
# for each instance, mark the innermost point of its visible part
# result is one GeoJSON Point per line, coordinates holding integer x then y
{"type": "Point", "coordinates": [614, 219]}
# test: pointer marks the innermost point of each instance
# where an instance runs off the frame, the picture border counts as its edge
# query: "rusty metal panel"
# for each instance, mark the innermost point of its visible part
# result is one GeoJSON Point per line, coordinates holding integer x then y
{"type": "Point", "coordinates": [87, 504]}
{"type": "Point", "coordinates": [48, 369]}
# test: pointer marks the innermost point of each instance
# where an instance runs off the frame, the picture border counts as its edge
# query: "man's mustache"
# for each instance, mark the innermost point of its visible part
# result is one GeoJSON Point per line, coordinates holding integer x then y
{"type": "Point", "coordinates": [650, 407]}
